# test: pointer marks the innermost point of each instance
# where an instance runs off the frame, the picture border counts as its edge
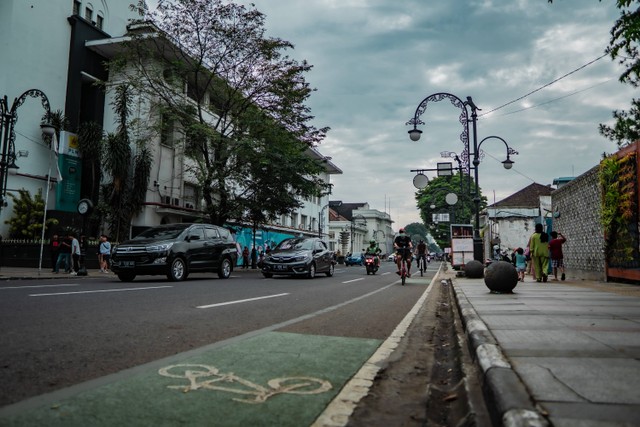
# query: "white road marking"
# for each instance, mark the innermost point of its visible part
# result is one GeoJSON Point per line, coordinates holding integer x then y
{"type": "Point", "coordinates": [241, 301]}
{"type": "Point", "coordinates": [354, 280]}
{"type": "Point", "coordinates": [38, 286]}
{"type": "Point", "coordinates": [97, 291]}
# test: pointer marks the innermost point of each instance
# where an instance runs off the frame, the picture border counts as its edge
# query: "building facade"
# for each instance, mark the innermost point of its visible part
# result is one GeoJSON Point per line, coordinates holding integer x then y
{"type": "Point", "coordinates": [62, 48]}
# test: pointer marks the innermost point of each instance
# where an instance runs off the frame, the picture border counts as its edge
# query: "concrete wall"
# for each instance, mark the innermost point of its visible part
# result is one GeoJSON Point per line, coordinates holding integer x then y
{"type": "Point", "coordinates": [576, 208]}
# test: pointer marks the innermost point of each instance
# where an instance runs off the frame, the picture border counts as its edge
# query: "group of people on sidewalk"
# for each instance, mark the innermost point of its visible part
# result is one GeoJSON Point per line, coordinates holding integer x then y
{"type": "Point", "coordinates": [540, 254]}
{"type": "Point", "coordinates": [69, 253]}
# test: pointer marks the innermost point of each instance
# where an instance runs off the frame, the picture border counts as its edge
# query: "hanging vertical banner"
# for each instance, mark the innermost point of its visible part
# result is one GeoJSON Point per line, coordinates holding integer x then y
{"type": "Point", "coordinates": [70, 165]}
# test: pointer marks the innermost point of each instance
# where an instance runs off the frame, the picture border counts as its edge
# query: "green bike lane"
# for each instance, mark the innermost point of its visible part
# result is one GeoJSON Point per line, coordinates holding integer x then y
{"type": "Point", "coordinates": [268, 377]}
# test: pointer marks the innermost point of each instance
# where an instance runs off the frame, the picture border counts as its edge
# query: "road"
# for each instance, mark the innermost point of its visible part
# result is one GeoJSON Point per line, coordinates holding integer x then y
{"type": "Point", "coordinates": [61, 332]}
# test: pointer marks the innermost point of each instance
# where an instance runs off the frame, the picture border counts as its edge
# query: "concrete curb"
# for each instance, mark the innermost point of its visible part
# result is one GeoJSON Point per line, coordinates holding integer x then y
{"type": "Point", "coordinates": [508, 400]}
{"type": "Point", "coordinates": [337, 413]}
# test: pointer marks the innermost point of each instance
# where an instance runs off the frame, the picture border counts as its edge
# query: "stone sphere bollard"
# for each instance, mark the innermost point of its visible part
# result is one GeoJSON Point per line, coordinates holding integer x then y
{"type": "Point", "coordinates": [474, 269]}
{"type": "Point", "coordinates": [501, 277]}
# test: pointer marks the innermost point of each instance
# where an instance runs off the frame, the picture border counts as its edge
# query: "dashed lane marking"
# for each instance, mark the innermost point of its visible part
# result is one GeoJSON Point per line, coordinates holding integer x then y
{"type": "Point", "coordinates": [97, 291]}
{"type": "Point", "coordinates": [354, 280]}
{"type": "Point", "coordinates": [39, 286]}
{"type": "Point", "coordinates": [241, 301]}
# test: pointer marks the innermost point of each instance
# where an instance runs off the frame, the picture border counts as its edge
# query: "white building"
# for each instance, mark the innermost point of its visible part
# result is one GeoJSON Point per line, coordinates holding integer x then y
{"type": "Point", "coordinates": [354, 225]}
{"type": "Point", "coordinates": [62, 48]}
{"type": "Point", "coordinates": [511, 221]}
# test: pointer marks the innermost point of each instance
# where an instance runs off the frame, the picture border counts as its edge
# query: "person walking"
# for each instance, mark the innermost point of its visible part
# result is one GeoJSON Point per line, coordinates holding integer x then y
{"type": "Point", "coordinates": [54, 249]}
{"type": "Point", "coordinates": [557, 257]}
{"type": "Point", "coordinates": [539, 249]}
{"type": "Point", "coordinates": [104, 253]}
{"type": "Point", "coordinates": [75, 254]}
{"type": "Point", "coordinates": [520, 263]}
{"type": "Point", "coordinates": [245, 258]}
{"type": "Point", "coordinates": [64, 255]}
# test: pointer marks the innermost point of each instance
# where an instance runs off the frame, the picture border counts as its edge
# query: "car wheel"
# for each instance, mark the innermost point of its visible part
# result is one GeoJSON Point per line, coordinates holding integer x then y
{"type": "Point", "coordinates": [126, 277]}
{"type": "Point", "coordinates": [224, 272]}
{"type": "Point", "coordinates": [312, 271]}
{"type": "Point", "coordinates": [177, 270]}
{"type": "Point", "coordinates": [330, 272]}
{"type": "Point", "coordinates": [267, 275]}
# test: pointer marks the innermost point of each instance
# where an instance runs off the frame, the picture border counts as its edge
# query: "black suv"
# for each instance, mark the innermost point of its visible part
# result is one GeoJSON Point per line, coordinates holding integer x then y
{"type": "Point", "coordinates": [175, 250]}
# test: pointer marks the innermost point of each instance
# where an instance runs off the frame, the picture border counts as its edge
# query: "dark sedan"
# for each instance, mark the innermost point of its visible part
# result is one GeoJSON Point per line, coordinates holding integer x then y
{"type": "Point", "coordinates": [299, 256]}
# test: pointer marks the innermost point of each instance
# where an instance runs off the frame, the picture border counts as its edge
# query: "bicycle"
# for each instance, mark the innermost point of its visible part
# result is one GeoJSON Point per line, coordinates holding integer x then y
{"type": "Point", "coordinates": [404, 270]}
{"type": "Point", "coordinates": [422, 263]}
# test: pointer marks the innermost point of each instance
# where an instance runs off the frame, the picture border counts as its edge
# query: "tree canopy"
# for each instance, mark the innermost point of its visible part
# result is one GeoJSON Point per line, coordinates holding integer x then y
{"type": "Point", "coordinates": [434, 194]}
{"type": "Point", "coordinates": [211, 74]}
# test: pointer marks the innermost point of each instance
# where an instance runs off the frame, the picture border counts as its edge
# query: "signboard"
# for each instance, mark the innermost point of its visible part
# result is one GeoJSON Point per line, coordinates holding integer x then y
{"type": "Point", "coordinates": [461, 244]}
{"type": "Point", "coordinates": [70, 166]}
{"type": "Point", "coordinates": [440, 217]}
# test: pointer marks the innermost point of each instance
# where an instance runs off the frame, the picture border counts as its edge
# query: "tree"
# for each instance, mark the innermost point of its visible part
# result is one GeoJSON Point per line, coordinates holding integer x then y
{"type": "Point", "coordinates": [434, 194]}
{"type": "Point", "coordinates": [128, 173]}
{"type": "Point", "coordinates": [244, 122]}
{"type": "Point", "coordinates": [417, 231]}
{"type": "Point", "coordinates": [627, 125]}
{"type": "Point", "coordinates": [28, 213]}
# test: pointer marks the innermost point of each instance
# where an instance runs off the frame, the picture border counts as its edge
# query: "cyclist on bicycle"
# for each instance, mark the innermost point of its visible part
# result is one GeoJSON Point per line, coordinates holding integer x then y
{"type": "Point", "coordinates": [402, 244]}
{"type": "Point", "coordinates": [374, 250]}
{"type": "Point", "coordinates": [422, 255]}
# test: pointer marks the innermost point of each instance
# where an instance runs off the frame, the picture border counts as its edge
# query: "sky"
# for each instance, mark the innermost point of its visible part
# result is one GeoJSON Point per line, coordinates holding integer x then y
{"type": "Point", "coordinates": [374, 61]}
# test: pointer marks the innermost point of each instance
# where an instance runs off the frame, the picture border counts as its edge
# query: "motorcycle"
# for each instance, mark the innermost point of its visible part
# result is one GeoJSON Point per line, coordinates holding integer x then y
{"type": "Point", "coordinates": [371, 263]}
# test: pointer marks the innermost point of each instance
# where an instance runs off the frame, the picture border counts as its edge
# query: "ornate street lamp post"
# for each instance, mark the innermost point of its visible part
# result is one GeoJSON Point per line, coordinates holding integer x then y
{"type": "Point", "coordinates": [468, 114]}
{"type": "Point", "coordinates": [8, 120]}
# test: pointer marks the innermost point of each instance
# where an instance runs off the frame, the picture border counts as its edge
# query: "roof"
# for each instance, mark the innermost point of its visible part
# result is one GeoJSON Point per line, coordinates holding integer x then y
{"type": "Point", "coordinates": [345, 209]}
{"type": "Point", "coordinates": [528, 197]}
{"type": "Point", "coordinates": [563, 180]}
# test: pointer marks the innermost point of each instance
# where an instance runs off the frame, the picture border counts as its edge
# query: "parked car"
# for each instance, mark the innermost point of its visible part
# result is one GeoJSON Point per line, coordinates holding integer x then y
{"type": "Point", "coordinates": [299, 256]}
{"type": "Point", "coordinates": [175, 250]}
{"type": "Point", "coordinates": [354, 259]}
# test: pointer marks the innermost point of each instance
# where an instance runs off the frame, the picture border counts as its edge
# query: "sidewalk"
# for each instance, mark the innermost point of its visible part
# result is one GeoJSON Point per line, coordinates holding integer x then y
{"type": "Point", "coordinates": [559, 352]}
{"type": "Point", "coordinates": [18, 273]}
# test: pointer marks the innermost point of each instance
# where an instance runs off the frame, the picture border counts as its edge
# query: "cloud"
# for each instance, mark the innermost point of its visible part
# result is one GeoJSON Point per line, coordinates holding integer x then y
{"type": "Point", "coordinates": [376, 60]}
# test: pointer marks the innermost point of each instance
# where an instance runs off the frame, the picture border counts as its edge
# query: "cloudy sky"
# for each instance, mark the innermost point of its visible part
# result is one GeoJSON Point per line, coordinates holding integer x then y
{"type": "Point", "coordinates": [376, 60]}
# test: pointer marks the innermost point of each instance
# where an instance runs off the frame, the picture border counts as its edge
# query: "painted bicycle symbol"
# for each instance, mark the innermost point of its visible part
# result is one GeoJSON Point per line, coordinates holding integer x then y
{"type": "Point", "coordinates": [210, 378]}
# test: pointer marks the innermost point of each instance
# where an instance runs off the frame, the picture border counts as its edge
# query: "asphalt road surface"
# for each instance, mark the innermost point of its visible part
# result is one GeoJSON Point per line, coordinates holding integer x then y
{"type": "Point", "coordinates": [61, 332]}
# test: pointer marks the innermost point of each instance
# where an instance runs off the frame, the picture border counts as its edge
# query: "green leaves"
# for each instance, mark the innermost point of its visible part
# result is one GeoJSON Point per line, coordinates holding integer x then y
{"type": "Point", "coordinates": [28, 214]}
{"type": "Point", "coordinates": [238, 104]}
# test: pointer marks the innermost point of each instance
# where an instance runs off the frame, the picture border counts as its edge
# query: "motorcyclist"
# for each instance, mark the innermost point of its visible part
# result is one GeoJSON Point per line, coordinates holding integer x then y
{"type": "Point", "coordinates": [401, 242]}
{"type": "Point", "coordinates": [374, 250]}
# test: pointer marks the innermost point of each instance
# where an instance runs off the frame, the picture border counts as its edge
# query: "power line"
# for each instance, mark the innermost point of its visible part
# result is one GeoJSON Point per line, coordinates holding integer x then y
{"type": "Point", "coordinates": [557, 99]}
{"type": "Point", "coordinates": [547, 85]}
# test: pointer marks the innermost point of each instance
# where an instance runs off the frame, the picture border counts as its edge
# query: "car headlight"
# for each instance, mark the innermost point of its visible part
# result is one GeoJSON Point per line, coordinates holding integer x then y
{"type": "Point", "coordinates": [159, 248]}
{"type": "Point", "coordinates": [303, 258]}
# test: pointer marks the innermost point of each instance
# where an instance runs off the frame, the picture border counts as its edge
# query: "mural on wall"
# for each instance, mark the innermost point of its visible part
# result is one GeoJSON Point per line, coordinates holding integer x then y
{"type": "Point", "coordinates": [263, 238]}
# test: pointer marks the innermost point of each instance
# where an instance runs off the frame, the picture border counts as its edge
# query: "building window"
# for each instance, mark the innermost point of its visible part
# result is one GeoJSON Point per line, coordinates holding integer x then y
{"type": "Point", "coordinates": [100, 22]}
{"type": "Point", "coordinates": [76, 7]}
{"type": "Point", "coordinates": [88, 14]}
{"type": "Point", "coordinates": [167, 131]}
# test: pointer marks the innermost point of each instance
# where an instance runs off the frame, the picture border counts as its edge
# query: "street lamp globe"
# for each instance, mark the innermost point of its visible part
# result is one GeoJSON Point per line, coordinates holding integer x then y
{"type": "Point", "coordinates": [508, 164]}
{"type": "Point", "coordinates": [414, 134]}
{"type": "Point", "coordinates": [48, 129]}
